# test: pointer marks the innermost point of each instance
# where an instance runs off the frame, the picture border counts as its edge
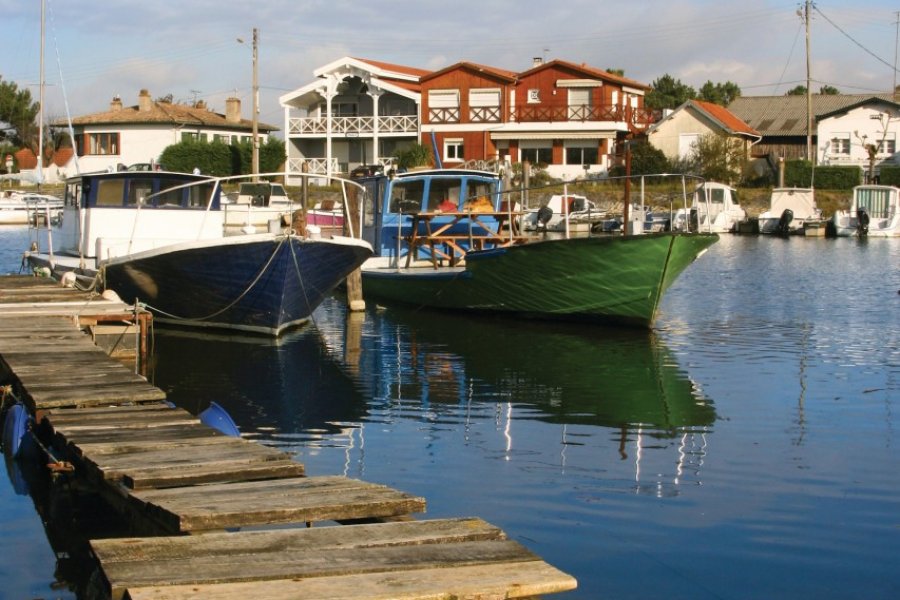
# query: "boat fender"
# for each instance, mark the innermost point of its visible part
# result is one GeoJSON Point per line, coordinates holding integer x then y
{"type": "Point", "coordinates": [862, 222]}
{"type": "Point", "coordinates": [544, 214]}
{"type": "Point", "coordinates": [16, 436]}
{"type": "Point", "coordinates": [313, 232]}
{"type": "Point", "coordinates": [67, 279]}
{"type": "Point", "coordinates": [784, 221]}
{"type": "Point", "coordinates": [42, 271]}
{"type": "Point", "coordinates": [110, 295]}
{"type": "Point", "coordinates": [218, 418]}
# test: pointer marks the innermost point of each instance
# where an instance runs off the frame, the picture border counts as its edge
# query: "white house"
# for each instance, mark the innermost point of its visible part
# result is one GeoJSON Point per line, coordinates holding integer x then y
{"type": "Point", "coordinates": [355, 112]}
{"type": "Point", "coordinates": [125, 135]}
{"type": "Point", "coordinates": [846, 136]}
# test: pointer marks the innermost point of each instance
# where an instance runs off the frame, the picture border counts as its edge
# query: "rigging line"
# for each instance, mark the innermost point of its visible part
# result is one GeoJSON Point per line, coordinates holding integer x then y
{"type": "Point", "coordinates": [62, 83]}
{"type": "Point", "coordinates": [300, 280]}
{"type": "Point", "coordinates": [849, 37]}
{"type": "Point", "coordinates": [253, 283]}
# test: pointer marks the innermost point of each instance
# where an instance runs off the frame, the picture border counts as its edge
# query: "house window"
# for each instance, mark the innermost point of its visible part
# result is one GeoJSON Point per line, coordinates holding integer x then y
{"type": "Point", "coordinates": [581, 155]}
{"type": "Point", "coordinates": [443, 106]}
{"type": "Point", "coordinates": [888, 145]}
{"type": "Point", "coordinates": [534, 96]}
{"type": "Point", "coordinates": [344, 109]}
{"type": "Point", "coordinates": [98, 143]}
{"type": "Point", "coordinates": [222, 139]}
{"type": "Point", "coordinates": [453, 150]}
{"type": "Point", "coordinates": [192, 136]}
{"type": "Point", "coordinates": [840, 144]}
{"type": "Point", "coordinates": [484, 105]}
{"type": "Point", "coordinates": [579, 104]}
{"type": "Point", "coordinates": [538, 155]}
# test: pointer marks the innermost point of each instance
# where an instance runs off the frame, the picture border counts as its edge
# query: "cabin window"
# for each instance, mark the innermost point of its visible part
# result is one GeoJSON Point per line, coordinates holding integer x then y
{"type": "Point", "coordinates": [443, 195]}
{"type": "Point", "coordinates": [167, 196]}
{"type": "Point", "coordinates": [97, 143]}
{"type": "Point", "coordinates": [453, 150]}
{"type": "Point", "coordinates": [138, 191]}
{"type": "Point", "coordinates": [198, 195]}
{"type": "Point", "coordinates": [406, 196]}
{"type": "Point", "coordinates": [443, 106]}
{"type": "Point", "coordinates": [840, 144]}
{"type": "Point", "coordinates": [479, 192]}
{"type": "Point", "coordinates": [110, 192]}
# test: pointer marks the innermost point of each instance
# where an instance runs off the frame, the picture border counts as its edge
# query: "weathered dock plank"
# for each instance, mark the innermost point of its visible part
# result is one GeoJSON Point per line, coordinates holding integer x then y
{"type": "Point", "coordinates": [444, 558]}
{"type": "Point", "coordinates": [291, 500]}
{"type": "Point", "coordinates": [155, 445]}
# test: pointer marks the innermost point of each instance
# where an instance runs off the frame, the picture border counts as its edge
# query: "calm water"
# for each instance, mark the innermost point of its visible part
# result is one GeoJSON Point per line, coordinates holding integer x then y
{"type": "Point", "coordinates": [748, 448]}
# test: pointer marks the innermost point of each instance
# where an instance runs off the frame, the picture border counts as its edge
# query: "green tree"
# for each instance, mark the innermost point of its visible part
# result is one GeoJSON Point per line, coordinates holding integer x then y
{"type": "Point", "coordinates": [619, 72]}
{"type": "Point", "coordinates": [719, 157]}
{"type": "Point", "coordinates": [829, 90]}
{"type": "Point", "coordinates": [222, 160]}
{"type": "Point", "coordinates": [646, 159]}
{"type": "Point", "coordinates": [719, 93]}
{"type": "Point", "coordinates": [416, 155]}
{"type": "Point", "coordinates": [799, 90]}
{"type": "Point", "coordinates": [18, 116]}
{"type": "Point", "coordinates": [668, 92]}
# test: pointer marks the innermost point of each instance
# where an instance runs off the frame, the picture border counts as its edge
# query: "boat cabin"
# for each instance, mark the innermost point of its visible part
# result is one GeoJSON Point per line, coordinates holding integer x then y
{"type": "Point", "coordinates": [106, 214]}
{"type": "Point", "coordinates": [439, 206]}
{"type": "Point", "coordinates": [262, 194]}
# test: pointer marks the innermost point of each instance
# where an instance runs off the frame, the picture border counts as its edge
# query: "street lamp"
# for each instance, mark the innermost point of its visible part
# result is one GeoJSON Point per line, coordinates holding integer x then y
{"type": "Point", "coordinates": [255, 155]}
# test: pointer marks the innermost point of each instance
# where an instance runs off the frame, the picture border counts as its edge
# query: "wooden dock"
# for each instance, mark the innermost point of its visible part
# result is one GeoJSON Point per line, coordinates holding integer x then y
{"type": "Point", "coordinates": [160, 464]}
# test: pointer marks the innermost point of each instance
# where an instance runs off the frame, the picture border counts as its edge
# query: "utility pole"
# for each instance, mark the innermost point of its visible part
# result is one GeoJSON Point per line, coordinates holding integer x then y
{"type": "Point", "coordinates": [255, 155]}
{"type": "Point", "coordinates": [40, 157]}
{"type": "Point", "coordinates": [896, 39]}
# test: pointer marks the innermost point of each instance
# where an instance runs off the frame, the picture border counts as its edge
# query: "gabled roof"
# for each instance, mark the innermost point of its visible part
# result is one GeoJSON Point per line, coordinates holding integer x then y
{"type": "Point", "coordinates": [165, 113]}
{"type": "Point", "coordinates": [503, 74]}
{"type": "Point", "coordinates": [395, 68]}
{"type": "Point", "coordinates": [375, 67]}
{"type": "Point", "coordinates": [866, 102]}
{"type": "Point", "coordinates": [786, 115]}
{"type": "Point", "coordinates": [587, 70]}
{"type": "Point", "coordinates": [719, 115]}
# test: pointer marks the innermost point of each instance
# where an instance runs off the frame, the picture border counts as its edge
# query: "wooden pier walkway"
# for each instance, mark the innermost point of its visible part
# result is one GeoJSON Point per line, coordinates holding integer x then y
{"type": "Point", "coordinates": [160, 464]}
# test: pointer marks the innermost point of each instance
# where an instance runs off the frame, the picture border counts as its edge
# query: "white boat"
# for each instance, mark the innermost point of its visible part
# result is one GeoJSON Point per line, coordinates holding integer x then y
{"type": "Point", "coordinates": [158, 238]}
{"type": "Point", "coordinates": [19, 207]}
{"type": "Point", "coordinates": [790, 209]}
{"type": "Point", "coordinates": [874, 212]}
{"type": "Point", "coordinates": [255, 205]}
{"type": "Point", "coordinates": [580, 213]}
{"type": "Point", "coordinates": [714, 209]}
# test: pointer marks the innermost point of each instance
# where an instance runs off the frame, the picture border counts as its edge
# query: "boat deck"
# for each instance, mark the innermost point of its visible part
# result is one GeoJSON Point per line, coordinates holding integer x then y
{"type": "Point", "coordinates": [161, 466]}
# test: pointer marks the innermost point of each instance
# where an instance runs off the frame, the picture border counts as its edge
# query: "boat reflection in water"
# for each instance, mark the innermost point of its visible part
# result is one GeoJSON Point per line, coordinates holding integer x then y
{"type": "Point", "coordinates": [424, 365]}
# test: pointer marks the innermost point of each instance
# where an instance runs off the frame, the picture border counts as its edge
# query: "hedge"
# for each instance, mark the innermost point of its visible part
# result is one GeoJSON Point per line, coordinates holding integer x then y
{"type": "Point", "coordinates": [798, 173]}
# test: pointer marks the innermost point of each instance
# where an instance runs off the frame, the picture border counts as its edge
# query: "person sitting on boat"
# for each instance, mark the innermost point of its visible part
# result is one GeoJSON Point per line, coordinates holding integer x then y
{"type": "Point", "coordinates": [447, 205]}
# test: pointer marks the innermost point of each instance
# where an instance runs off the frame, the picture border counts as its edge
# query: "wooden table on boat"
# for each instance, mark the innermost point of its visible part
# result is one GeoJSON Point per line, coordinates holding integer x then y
{"type": "Point", "coordinates": [480, 235]}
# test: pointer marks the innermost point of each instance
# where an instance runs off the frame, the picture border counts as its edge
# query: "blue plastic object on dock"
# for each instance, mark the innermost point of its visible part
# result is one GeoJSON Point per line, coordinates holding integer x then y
{"type": "Point", "coordinates": [218, 418]}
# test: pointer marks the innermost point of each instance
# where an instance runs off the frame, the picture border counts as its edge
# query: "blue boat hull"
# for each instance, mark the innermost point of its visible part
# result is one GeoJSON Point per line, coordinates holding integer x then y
{"type": "Point", "coordinates": [264, 283]}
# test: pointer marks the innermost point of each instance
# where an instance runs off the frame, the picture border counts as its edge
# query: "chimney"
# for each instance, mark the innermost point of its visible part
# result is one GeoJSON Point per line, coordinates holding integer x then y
{"type": "Point", "coordinates": [145, 103]}
{"type": "Point", "coordinates": [233, 110]}
{"type": "Point", "coordinates": [537, 61]}
{"type": "Point", "coordinates": [116, 104]}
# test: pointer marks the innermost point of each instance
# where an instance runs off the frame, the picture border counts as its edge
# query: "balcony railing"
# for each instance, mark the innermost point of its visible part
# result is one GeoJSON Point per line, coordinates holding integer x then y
{"type": "Point", "coordinates": [362, 125]}
{"type": "Point", "coordinates": [634, 117]}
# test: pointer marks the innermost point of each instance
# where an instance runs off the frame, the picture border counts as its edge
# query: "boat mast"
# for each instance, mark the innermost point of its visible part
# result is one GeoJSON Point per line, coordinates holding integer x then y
{"type": "Point", "coordinates": [40, 157]}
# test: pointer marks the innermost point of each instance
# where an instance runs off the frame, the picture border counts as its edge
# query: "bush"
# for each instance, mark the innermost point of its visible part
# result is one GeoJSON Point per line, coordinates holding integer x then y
{"type": "Point", "coordinates": [889, 175]}
{"type": "Point", "coordinates": [799, 173]}
{"type": "Point", "coordinates": [222, 160]}
{"type": "Point", "coordinates": [416, 155]}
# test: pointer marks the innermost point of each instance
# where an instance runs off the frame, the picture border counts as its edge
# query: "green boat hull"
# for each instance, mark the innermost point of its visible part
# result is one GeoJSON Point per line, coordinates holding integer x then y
{"type": "Point", "coordinates": [605, 279]}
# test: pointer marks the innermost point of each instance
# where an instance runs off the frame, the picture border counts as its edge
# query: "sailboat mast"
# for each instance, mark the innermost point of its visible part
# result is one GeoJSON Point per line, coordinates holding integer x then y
{"type": "Point", "coordinates": [40, 156]}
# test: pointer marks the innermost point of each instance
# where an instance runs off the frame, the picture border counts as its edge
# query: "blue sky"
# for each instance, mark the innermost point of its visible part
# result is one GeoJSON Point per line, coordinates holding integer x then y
{"type": "Point", "coordinates": [189, 49]}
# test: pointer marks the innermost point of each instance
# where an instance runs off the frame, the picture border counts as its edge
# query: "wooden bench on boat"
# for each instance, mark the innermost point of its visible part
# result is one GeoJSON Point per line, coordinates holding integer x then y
{"type": "Point", "coordinates": [480, 236]}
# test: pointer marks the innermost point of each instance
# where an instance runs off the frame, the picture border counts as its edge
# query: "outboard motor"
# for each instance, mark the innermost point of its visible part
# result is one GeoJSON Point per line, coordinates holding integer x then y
{"type": "Point", "coordinates": [694, 221]}
{"type": "Point", "coordinates": [544, 214]}
{"type": "Point", "coordinates": [784, 221]}
{"type": "Point", "coordinates": [862, 222]}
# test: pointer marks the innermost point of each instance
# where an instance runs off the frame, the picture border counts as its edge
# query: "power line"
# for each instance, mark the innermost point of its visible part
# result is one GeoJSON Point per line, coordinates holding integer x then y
{"type": "Point", "coordinates": [850, 37]}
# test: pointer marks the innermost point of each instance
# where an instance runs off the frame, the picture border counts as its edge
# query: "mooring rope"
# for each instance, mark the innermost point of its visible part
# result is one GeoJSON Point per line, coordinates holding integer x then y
{"type": "Point", "coordinates": [300, 280]}
{"type": "Point", "coordinates": [253, 283]}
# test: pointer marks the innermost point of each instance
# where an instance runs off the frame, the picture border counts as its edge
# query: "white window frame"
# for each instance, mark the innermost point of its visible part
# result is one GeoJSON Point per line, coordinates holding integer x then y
{"type": "Point", "coordinates": [454, 150]}
{"type": "Point", "coordinates": [534, 96]}
{"type": "Point", "coordinates": [443, 98]}
{"type": "Point", "coordinates": [839, 144]}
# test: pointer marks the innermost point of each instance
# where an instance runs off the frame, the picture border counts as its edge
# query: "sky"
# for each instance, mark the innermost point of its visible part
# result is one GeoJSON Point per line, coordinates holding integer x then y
{"type": "Point", "coordinates": [94, 51]}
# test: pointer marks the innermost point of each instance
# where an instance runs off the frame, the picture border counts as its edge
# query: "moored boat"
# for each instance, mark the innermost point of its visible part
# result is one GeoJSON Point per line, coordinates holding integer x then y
{"type": "Point", "coordinates": [714, 209]}
{"type": "Point", "coordinates": [464, 257]}
{"type": "Point", "coordinates": [158, 238]}
{"type": "Point", "coordinates": [790, 210]}
{"type": "Point", "coordinates": [22, 207]}
{"type": "Point", "coordinates": [874, 212]}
